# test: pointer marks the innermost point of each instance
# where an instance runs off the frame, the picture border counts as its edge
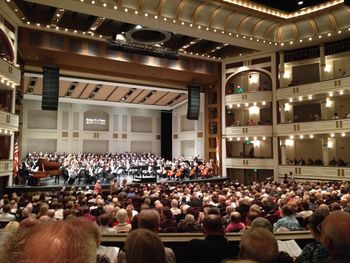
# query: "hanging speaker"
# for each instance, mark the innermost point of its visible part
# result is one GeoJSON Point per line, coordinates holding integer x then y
{"type": "Point", "coordinates": [51, 76]}
{"type": "Point", "coordinates": [193, 102]}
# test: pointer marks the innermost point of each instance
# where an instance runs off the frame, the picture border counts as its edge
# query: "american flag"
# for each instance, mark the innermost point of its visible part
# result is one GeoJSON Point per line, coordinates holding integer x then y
{"type": "Point", "coordinates": [15, 159]}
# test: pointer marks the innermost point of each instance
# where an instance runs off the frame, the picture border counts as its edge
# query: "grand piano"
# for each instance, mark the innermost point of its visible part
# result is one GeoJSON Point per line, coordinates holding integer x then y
{"type": "Point", "coordinates": [46, 168]}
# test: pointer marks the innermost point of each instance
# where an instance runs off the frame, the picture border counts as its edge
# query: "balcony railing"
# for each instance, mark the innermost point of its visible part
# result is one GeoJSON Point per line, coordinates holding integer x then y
{"type": "Point", "coordinates": [258, 130]}
{"type": "Point", "coordinates": [9, 72]}
{"type": "Point", "coordinates": [322, 87]}
{"type": "Point", "coordinates": [249, 163]}
{"type": "Point", "coordinates": [315, 172]}
{"type": "Point", "coordinates": [250, 97]}
{"type": "Point", "coordinates": [8, 121]}
{"type": "Point", "coordinates": [6, 167]}
{"type": "Point", "coordinates": [315, 127]}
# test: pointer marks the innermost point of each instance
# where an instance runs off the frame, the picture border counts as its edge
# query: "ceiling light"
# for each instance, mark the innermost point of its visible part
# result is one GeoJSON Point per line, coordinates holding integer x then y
{"type": "Point", "coordinates": [116, 7]}
{"type": "Point", "coordinates": [300, 40]}
{"type": "Point", "coordinates": [329, 34]}
{"type": "Point", "coordinates": [341, 92]}
{"type": "Point", "coordinates": [300, 2]}
{"type": "Point", "coordinates": [207, 28]}
{"type": "Point", "coordinates": [311, 136]}
{"type": "Point", "coordinates": [155, 17]}
{"type": "Point", "coordinates": [165, 19]}
{"type": "Point", "coordinates": [319, 36]}
{"type": "Point", "coordinates": [126, 10]}
{"type": "Point", "coordinates": [339, 31]}
{"type": "Point", "coordinates": [238, 138]}
{"type": "Point", "coordinates": [93, 2]}
{"type": "Point", "coordinates": [136, 12]}
{"type": "Point", "coordinates": [301, 136]}
{"type": "Point", "coordinates": [310, 97]}
{"type": "Point", "coordinates": [332, 134]}
{"type": "Point", "coordinates": [343, 134]}
{"type": "Point", "coordinates": [310, 38]}
{"type": "Point", "coordinates": [291, 137]}
{"type": "Point", "coordinates": [199, 27]}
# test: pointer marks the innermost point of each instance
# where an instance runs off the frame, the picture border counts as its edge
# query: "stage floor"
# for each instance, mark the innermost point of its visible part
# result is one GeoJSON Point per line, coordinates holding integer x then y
{"type": "Point", "coordinates": [49, 184]}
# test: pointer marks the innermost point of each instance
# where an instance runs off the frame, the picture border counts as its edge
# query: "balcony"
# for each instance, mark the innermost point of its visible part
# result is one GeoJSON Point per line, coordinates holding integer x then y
{"type": "Point", "coordinates": [315, 172]}
{"type": "Point", "coordinates": [6, 167]}
{"type": "Point", "coordinates": [249, 163]}
{"type": "Point", "coordinates": [9, 73]}
{"type": "Point", "coordinates": [250, 97]}
{"type": "Point", "coordinates": [323, 87]}
{"type": "Point", "coordinates": [9, 122]}
{"type": "Point", "coordinates": [258, 130]}
{"type": "Point", "coordinates": [315, 127]}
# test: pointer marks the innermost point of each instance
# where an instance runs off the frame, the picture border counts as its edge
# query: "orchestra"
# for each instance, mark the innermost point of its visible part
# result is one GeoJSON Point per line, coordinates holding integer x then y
{"type": "Point", "coordinates": [88, 168]}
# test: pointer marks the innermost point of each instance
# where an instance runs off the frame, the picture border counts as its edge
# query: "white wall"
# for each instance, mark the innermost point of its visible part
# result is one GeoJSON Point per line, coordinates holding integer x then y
{"type": "Point", "coordinates": [71, 137]}
{"type": "Point", "coordinates": [188, 142]}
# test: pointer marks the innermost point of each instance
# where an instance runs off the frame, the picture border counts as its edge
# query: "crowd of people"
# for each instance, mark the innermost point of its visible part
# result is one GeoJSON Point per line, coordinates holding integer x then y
{"type": "Point", "coordinates": [317, 162]}
{"type": "Point", "coordinates": [89, 167]}
{"type": "Point", "coordinates": [257, 210]}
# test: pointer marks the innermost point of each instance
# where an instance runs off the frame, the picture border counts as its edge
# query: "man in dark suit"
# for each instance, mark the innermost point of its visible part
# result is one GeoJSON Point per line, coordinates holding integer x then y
{"type": "Point", "coordinates": [214, 248]}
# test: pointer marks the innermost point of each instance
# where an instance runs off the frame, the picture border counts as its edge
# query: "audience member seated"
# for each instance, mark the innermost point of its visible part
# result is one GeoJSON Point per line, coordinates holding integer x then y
{"type": "Point", "coordinates": [168, 222]}
{"type": "Point", "coordinates": [314, 252]}
{"type": "Point", "coordinates": [335, 232]}
{"type": "Point", "coordinates": [235, 225]}
{"type": "Point", "coordinates": [122, 226]}
{"type": "Point", "coordinates": [214, 248]}
{"type": "Point", "coordinates": [144, 246]}
{"type": "Point", "coordinates": [288, 220]}
{"type": "Point", "coordinates": [189, 224]}
{"type": "Point", "coordinates": [55, 241]}
{"type": "Point", "coordinates": [260, 245]}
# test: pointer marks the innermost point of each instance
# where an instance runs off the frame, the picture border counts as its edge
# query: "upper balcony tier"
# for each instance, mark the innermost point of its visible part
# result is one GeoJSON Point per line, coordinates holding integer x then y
{"type": "Point", "coordinates": [316, 127]}
{"type": "Point", "coordinates": [258, 130]}
{"type": "Point", "coordinates": [315, 172]}
{"type": "Point", "coordinates": [249, 163]}
{"type": "Point", "coordinates": [10, 75]}
{"type": "Point", "coordinates": [250, 97]}
{"type": "Point", "coordinates": [323, 87]}
{"type": "Point", "coordinates": [8, 122]}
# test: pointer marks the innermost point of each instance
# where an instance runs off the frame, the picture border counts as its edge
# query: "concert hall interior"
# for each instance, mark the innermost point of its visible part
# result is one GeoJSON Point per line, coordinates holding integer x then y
{"type": "Point", "coordinates": [181, 94]}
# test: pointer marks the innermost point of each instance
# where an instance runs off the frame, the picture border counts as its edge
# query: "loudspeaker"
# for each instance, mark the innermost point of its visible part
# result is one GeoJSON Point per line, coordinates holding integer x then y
{"type": "Point", "coordinates": [51, 76]}
{"type": "Point", "coordinates": [166, 140]}
{"type": "Point", "coordinates": [193, 104]}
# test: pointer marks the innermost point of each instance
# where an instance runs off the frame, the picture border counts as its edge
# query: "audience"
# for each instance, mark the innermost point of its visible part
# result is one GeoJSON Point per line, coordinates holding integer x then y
{"type": "Point", "coordinates": [255, 205]}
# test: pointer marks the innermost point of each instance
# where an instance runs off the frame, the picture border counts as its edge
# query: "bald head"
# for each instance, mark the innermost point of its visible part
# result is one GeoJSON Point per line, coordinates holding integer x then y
{"type": "Point", "coordinates": [335, 234]}
{"type": "Point", "coordinates": [149, 219]}
{"type": "Point", "coordinates": [212, 225]}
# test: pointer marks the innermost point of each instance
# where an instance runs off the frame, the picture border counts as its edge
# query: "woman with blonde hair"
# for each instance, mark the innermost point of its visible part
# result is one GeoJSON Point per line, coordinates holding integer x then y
{"type": "Point", "coordinates": [144, 246]}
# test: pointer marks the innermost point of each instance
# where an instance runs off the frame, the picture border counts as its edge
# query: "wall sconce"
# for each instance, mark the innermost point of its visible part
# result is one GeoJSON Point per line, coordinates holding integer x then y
{"type": "Point", "coordinates": [253, 79]}
{"type": "Point", "coordinates": [289, 142]}
{"type": "Point", "coordinates": [287, 74]}
{"type": "Point", "coordinates": [329, 144]}
{"type": "Point", "coordinates": [287, 107]}
{"type": "Point", "coordinates": [256, 143]}
{"type": "Point", "coordinates": [328, 103]}
{"type": "Point", "coordinates": [328, 68]}
{"type": "Point", "coordinates": [254, 110]}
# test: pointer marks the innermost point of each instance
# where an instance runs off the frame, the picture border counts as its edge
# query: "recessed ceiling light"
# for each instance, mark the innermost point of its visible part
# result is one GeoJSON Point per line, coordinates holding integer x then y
{"type": "Point", "coordinates": [300, 2]}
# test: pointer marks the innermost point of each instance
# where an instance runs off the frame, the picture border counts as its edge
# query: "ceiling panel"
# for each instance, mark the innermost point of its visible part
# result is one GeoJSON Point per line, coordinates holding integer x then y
{"type": "Point", "coordinates": [167, 98]}
{"type": "Point", "coordinates": [104, 92]}
{"type": "Point", "coordinates": [87, 91]}
{"type": "Point", "coordinates": [64, 86]}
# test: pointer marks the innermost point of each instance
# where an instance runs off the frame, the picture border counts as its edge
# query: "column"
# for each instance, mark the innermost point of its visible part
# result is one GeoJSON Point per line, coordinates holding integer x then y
{"type": "Point", "coordinates": [322, 62]}
{"type": "Point", "coordinates": [281, 69]}
{"type": "Point", "coordinates": [283, 152]}
{"type": "Point", "coordinates": [325, 151]}
{"type": "Point", "coordinates": [282, 113]}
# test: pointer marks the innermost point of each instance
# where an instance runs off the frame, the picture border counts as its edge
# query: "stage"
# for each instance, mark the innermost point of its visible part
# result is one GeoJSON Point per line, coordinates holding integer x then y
{"type": "Point", "coordinates": [48, 184]}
